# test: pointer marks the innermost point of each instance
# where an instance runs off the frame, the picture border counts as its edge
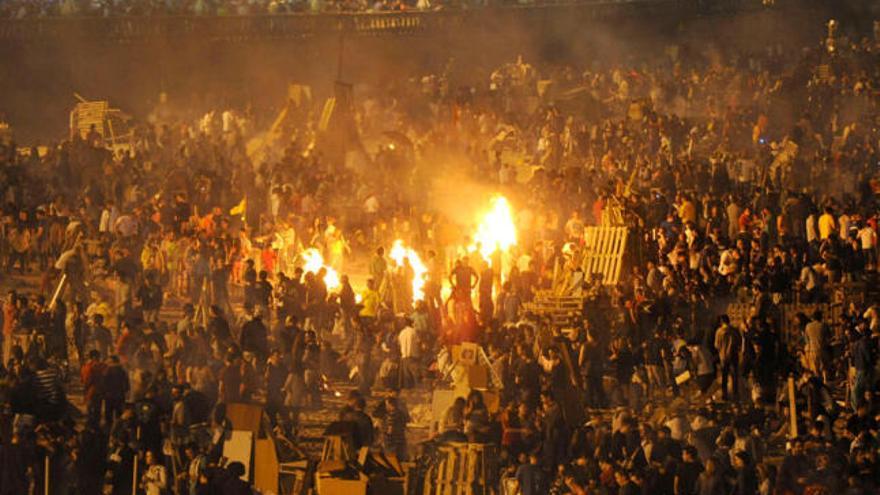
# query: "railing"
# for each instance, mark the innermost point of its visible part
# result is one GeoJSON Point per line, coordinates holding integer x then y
{"type": "Point", "coordinates": [305, 25]}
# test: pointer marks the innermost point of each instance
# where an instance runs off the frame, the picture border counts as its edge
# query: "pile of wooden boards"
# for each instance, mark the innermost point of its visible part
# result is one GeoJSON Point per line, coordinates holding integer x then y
{"type": "Point", "coordinates": [371, 472]}
{"type": "Point", "coordinates": [462, 469]}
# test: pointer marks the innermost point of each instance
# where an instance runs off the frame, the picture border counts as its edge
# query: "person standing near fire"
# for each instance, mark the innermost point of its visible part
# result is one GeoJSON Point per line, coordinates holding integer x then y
{"type": "Point", "coordinates": [463, 279]}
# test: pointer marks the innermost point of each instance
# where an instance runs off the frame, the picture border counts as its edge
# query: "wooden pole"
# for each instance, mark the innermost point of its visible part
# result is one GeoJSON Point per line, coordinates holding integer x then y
{"type": "Point", "coordinates": [792, 408]}
{"type": "Point", "coordinates": [46, 476]}
{"type": "Point", "coordinates": [58, 290]}
{"type": "Point", "coordinates": [134, 471]}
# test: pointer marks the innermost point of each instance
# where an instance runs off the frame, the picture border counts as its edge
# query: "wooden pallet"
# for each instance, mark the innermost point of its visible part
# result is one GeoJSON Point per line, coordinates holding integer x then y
{"type": "Point", "coordinates": [603, 252]}
{"type": "Point", "coordinates": [461, 469]}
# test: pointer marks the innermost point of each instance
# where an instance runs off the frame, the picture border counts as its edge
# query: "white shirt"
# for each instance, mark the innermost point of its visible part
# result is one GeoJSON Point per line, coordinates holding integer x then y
{"type": "Point", "coordinates": [812, 235]}
{"type": "Point", "coordinates": [728, 263]}
{"type": "Point", "coordinates": [408, 341]}
{"type": "Point", "coordinates": [108, 220]}
{"type": "Point", "coordinates": [868, 237]}
{"type": "Point", "coordinates": [126, 225]}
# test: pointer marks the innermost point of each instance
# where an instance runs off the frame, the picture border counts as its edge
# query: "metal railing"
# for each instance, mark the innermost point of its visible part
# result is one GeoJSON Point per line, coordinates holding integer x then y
{"type": "Point", "coordinates": [306, 25]}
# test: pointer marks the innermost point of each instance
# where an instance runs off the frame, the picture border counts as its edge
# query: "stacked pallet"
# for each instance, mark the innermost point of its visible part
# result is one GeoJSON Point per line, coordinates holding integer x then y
{"type": "Point", "coordinates": [462, 469]}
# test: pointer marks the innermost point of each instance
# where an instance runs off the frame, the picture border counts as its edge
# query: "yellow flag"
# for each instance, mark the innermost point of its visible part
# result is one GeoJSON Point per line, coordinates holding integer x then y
{"type": "Point", "coordinates": [240, 208]}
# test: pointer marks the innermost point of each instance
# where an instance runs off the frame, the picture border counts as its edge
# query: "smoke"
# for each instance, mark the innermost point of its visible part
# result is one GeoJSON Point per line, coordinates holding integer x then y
{"type": "Point", "coordinates": [459, 198]}
{"type": "Point", "coordinates": [38, 77]}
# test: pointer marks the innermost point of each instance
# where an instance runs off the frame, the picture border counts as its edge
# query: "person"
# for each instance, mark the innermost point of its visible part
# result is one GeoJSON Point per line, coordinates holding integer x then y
{"type": "Point", "coordinates": [746, 478]}
{"type": "Point", "coordinates": [231, 383]}
{"type": "Point", "coordinates": [710, 481]}
{"type": "Point", "coordinates": [93, 376]}
{"type": "Point", "coordinates": [378, 266]}
{"type": "Point", "coordinates": [625, 480]}
{"type": "Point", "coordinates": [463, 279]}
{"type": "Point", "coordinates": [99, 337]}
{"type": "Point", "coordinates": [484, 293]}
{"type": "Point", "coordinates": [196, 469]}
{"type": "Point", "coordinates": [263, 293]}
{"type": "Point", "coordinates": [254, 338]}
{"type": "Point", "coordinates": [10, 321]}
{"type": "Point", "coordinates": [231, 483]}
{"type": "Point", "coordinates": [90, 459]}
{"type": "Point", "coordinates": [408, 341]}
{"type": "Point", "coordinates": [20, 242]}
{"type": "Point", "coordinates": [827, 224]}
{"type": "Point", "coordinates": [150, 296]}
{"type": "Point", "coordinates": [727, 346]}
{"type": "Point", "coordinates": [181, 419]}
{"type": "Point", "coordinates": [816, 344]}
{"type": "Point", "coordinates": [476, 418]}
{"type": "Point", "coordinates": [250, 283]}
{"type": "Point", "coordinates": [347, 306]}
{"type": "Point", "coordinates": [355, 413]}
{"type": "Point", "coordinates": [863, 358]}
{"type": "Point", "coordinates": [394, 429]}
{"type": "Point", "coordinates": [687, 475]}
{"type": "Point", "coordinates": [218, 327]}
{"type": "Point", "coordinates": [452, 423]}
{"type": "Point", "coordinates": [371, 300]}
{"type": "Point", "coordinates": [154, 481]}
{"type": "Point", "coordinates": [116, 386]}
{"type": "Point", "coordinates": [530, 478]}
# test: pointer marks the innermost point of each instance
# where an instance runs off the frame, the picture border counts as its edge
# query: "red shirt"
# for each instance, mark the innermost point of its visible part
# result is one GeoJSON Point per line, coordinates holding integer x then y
{"type": "Point", "coordinates": [123, 346]}
{"type": "Point", "coordinates": [92, 376]}
{"type": "Point", "coordinates": [8, 318]}
{"type": "Point", "coordinates": [745, 221]}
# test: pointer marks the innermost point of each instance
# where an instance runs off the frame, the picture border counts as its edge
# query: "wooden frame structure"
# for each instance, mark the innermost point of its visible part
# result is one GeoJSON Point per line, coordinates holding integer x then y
{"type": "Point", "coordinates": [603, 252]}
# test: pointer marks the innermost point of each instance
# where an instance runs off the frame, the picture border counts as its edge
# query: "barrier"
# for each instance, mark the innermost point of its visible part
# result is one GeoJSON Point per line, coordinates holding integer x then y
{"type": "Point", "coordinates": [310, 25]}
{"type": "Point", "coordinates": [861, 293]}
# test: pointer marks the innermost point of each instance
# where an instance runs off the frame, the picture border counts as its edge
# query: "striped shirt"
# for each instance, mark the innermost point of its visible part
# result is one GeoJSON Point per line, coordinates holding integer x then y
{"type": "Point", "coordinates": [48, 386]}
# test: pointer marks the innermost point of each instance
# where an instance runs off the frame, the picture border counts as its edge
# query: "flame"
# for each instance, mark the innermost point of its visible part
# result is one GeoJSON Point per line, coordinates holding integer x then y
{"type": "Point", "coordinates": [398, 253]}
{"type": "Point", "coordinates": [496, 231]}
{"type": "Point", "coordinates": [313, 262]}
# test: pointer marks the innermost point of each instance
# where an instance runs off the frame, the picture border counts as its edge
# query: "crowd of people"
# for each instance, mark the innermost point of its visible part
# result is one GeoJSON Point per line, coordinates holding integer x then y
{"type": "Point", "coordinates": [150, 286]}
{"type": "Point", "coordinates": [20, 9]}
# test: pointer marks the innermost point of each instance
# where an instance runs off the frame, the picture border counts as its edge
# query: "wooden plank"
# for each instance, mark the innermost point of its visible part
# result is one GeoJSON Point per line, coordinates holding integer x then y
{"type": "Point", "coordinates": [604, 237]}
{"type": "Point", "coordinates": [619, 266]}
{"type": "Point", "coordinates": [238, 448]}
{"type": "Point", "coordinates": [244, 417]}
{"type": "Point", "coordinates": [600, 252]}
{"type": "Point", "coordinates": [615, 254]}
{"type": "Point", "coordinates": [265, 466]}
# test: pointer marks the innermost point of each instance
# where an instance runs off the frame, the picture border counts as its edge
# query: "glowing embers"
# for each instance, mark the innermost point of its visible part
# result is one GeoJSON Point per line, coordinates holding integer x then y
{"type": "Point", "coordinates": [401, 254]}
{"type": "Point", "coordinates": [313, 262]}
{"type": "Point", "coordinates": [496, 231]}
